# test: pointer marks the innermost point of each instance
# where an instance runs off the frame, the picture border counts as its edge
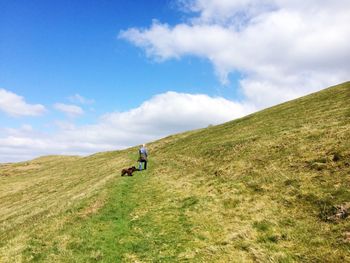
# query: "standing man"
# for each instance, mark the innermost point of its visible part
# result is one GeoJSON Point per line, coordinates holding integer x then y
{"type": "Point", "coordinates": [143, 154]}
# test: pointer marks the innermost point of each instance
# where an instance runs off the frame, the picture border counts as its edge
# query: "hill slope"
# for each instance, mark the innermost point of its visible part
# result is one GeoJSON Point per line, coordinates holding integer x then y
{"type": "Point", "coordinates": [268, 187]}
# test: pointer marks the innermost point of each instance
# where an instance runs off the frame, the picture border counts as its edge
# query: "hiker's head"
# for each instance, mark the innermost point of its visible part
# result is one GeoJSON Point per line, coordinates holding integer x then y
{"type": "Point", "coordinates": [143, 145]}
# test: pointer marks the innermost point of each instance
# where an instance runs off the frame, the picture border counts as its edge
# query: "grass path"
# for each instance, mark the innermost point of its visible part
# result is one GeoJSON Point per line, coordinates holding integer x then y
{"type": "Point", "coordinates": [154, 216]}
{"type": "Point", "coordinates": [108, 235]}
{"type": "Point", "coordinates": [140, 221]}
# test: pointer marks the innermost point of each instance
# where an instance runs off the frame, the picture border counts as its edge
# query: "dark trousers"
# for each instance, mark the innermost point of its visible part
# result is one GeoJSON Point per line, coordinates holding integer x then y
{"type": "Point", "coordinates": [144, 164]}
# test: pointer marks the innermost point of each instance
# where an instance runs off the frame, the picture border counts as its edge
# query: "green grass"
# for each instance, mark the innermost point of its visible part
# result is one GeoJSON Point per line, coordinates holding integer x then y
{"type": "Point", "coordinates": [258, 189]}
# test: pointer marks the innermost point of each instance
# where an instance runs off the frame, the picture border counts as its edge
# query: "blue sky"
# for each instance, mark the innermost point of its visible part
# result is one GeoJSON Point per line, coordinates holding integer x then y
{"type": "Point", "coordinates": [79, 72]}
{"type": "Point", "coordinates": [51, 50]}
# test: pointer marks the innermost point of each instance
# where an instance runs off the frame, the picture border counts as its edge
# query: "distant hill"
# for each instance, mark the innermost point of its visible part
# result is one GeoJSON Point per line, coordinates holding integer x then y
{"type": "Point", "coordinates": [273, 186]}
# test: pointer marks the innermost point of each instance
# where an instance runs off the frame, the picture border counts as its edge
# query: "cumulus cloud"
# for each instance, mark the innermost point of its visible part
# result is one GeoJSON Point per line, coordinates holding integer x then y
{"type": "Point", "coordinates": [284, 49]}
{"type": "Point", "coordinates": [15, 105]}
{"type": "Point", "coordinates": [70, 110]}
{"type": "Point", "coordinates": [162, 115]}
{"type": "Point", "coordinates": [172, 112]}
{"type": "Point", "coordinates": [236, 12]}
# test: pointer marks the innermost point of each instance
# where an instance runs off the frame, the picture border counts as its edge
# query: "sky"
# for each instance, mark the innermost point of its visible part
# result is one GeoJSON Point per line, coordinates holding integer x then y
{"type": "Point", "coordinates": [79, 77]}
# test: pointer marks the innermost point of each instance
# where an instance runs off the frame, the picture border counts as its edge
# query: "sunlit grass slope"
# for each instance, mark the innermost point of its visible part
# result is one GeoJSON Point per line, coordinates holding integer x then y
{"type": "Point", "coordinates": [269, 187]}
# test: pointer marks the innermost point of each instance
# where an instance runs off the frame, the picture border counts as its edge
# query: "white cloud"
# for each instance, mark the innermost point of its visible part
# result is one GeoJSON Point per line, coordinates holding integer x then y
{"type": "Point", "coordinates": [70, 110]}
{"type": "Point", "coordinates": [76, 98]}
{"type": "Point", "coordinates": [284, 49]}
{"type": "Point", "coordinates": [172, 112]}
{"type": "Point", "coordinates": [162, 115]}
{"type": "Point", "coordinates": [15, 105]}
{"type": "Point", "coordinates": [224, 11]}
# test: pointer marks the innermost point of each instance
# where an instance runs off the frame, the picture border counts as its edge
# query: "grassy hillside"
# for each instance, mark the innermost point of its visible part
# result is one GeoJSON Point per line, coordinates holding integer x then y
{"type": "Point", "coordinates": [270, 187]}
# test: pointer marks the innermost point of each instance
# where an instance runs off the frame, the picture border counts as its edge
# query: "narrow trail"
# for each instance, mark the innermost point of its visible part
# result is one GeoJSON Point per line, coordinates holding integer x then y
{"type": "Point", "coordinates": [149, 217]}
{"type": "Point", "coordinates": [140, 221]}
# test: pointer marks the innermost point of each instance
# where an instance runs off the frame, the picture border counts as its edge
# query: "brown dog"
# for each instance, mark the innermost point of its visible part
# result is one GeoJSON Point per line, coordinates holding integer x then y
{"type": "Point", "coordinates": [129, 171]}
